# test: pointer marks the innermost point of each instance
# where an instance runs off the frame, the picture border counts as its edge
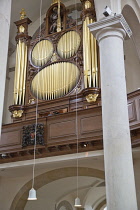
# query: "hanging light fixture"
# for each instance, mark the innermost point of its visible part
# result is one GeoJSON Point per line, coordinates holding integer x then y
{"type": "Point", "coordinates": [77, 202]}
{"type": "Point", "coordinates": [32, 195]}
{"type": "Point", "coordinates": [32, 192]}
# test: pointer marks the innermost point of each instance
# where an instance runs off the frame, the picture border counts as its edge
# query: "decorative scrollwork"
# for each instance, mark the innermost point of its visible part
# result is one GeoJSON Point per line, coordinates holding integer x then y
{"type": "Point", "coordinates": [29, 135]}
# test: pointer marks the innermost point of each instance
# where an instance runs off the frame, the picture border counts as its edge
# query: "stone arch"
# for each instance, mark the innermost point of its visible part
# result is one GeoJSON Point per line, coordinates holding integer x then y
{"type": "Point", "coordinates": [101, 205]}
{"type": "Point", "coordinates": [20, 199]}
{"type": "Point", "coordinates": [133, 4]}
{"type": "Point", "coordinates": [132, 50]}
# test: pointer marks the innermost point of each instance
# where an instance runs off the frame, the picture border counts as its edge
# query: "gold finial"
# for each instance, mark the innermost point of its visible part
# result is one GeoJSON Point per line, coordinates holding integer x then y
{"type": "Point", "coordinates": [23, 14]}
{"type": "Point", "coordinates": [88, 4]}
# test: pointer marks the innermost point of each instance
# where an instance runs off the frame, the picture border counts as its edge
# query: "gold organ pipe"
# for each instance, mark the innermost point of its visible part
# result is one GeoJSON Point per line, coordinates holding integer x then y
{"type": "Point", "coordinates": [38, 86]}
{"type": "Point", "coordinates": [51, 81]}
{"type": "Point", "coordinates": [65, 46]}
{"type": "Point", "coordinates": [90, 56]}
{"type": "Point", "coordinates": [93, 61]}
{"type": "Point", "coordinates": [68, 44]}
{"type": "Point", "coordinates": [42, 85]}
{"type": "Point", "coordinates": [84, 49]}
{"type": "Point", "coordinates": [55, 87]}
{"type": "Point", "coordinates": [42, 52]}
{"type": "Point", "coordinates": [71, 76]}
{"type": "Point", "coordinates": [24, 80]}
{"type": "Point", "coordinates": [96, 65]}
{"type": "Point", "coordinates": [15, 80]}
{"type": "Point", "coordinates": [67, 75]}
{"type": "Point", "coordinates": [60, 88]}
{"type": "Point", "coordinates": [20, 73]}
{"type": "Point", "coordinates": [73, 43]}
{"type": "Point", "coordinates": [54, 84]}
{"type": "Point", "coordinates": [56, 80]}
{"type": "Point", "coordinates": [93, 52]}
{"type": "Point", "coordinates": [19, 78]}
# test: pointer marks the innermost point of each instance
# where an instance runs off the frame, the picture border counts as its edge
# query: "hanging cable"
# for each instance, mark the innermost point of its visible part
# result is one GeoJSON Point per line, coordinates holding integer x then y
{"type": "Point", "coordinates": [32, 192]}
{"type": "Point", "coordinates": [77, 200]}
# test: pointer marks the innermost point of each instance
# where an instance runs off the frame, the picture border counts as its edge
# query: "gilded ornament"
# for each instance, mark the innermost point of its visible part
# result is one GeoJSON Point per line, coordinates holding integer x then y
{"type": "Point", "coordinates": [92, 97]}
{"type": "Point", "coordinates": [54, 57]}
{"type": "Point", "coordinates": [56, 1]}
{"type": "Point", "coordinates": [23, 14]}
{"type": "Point", "coordinates": [17, 113]}
{"type": "Point", "coordinates": [88, 4]}
{"type": "Point", "coordinates": [31, 101]}
{"type": "Point", "coordinates": [59, 19]}
{"type": "Point", "coordinates": [21, 29]}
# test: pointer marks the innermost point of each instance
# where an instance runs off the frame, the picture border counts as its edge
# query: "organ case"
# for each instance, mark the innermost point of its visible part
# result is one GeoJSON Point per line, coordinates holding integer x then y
{"type": "Point", "coordinates": [60, 61]}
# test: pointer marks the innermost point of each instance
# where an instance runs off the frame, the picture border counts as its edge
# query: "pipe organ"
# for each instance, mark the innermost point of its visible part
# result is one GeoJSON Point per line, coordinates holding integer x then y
{"type": "Point", "coordinates": [59, 61]}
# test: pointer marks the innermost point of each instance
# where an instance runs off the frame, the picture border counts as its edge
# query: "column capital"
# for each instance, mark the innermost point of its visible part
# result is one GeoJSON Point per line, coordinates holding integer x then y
{"type": "Point", "coordinates": [111, 22]}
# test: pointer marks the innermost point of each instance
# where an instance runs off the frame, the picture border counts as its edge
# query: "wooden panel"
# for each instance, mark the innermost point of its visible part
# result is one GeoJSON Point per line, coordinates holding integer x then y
{"type": "Point", "coordinates": [62, 129]}
{"type": "Point", "coordinates": [91, 124]}
{"type": "Point", "coordinates": [10, 138]}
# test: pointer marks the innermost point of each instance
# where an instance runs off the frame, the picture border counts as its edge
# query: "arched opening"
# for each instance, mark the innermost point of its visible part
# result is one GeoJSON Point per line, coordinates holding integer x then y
{"type": "Point", "coordinates": [50, 184]}
{"type": "Point", "coordinates": [131, 50]}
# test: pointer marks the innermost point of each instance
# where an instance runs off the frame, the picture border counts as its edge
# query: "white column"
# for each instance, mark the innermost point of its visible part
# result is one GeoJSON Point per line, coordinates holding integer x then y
{"type": "Point", "coordinates": [5, 13]}
{"type": "Point", "coordinates": [119, 174]}
{"type": "Point", "coordinates": [116, 6]}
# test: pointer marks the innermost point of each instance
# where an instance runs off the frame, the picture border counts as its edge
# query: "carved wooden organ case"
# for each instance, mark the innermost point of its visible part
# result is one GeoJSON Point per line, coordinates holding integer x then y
{"type": "Point", "coordinates": [58, 62]}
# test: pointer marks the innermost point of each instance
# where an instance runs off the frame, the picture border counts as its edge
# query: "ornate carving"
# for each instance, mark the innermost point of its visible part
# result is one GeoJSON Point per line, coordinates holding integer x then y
{"type": "Point", "coordinates": [70, 23]}
{"type": "Point", "coordinates": [29, 135]}
{"type": "Point", "coordinates": [53, 20]}
{"type": "Point", "coordinates": [21, 29]}
{"type": "Point", "coordinates": [88, 4]}
{"type": "Point", "coordinates": [92, 98]}
{"type": "Point", "coordinates": [91, 94]}
{"type": "Point", "coordinates": [23, 14]}
{"type": "Point", "coordinates": [17, 113]}
{"type": "Point", "coordinates": [54, 57]}
{"type": "Point", "coordinates": [22, 26]}
{"type": "Point", "coordinates": [31, 101]}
